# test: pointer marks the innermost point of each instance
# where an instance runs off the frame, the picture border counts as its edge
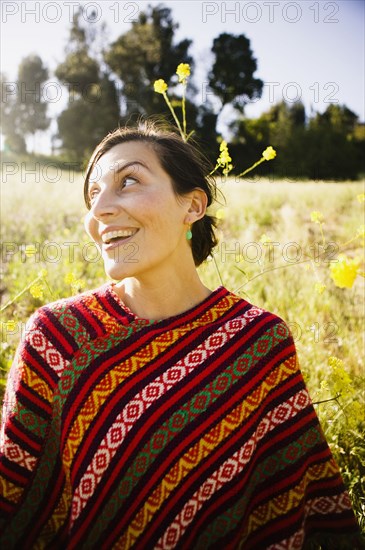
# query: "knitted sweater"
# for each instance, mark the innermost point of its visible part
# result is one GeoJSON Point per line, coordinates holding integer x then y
{"type": "Point", "coordinates": [193, 432]}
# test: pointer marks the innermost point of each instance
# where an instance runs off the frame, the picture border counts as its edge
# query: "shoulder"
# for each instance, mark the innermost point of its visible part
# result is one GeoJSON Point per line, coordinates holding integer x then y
{"type": "Point", "coordinates": [70, 305]}
{"type": "Point", "coordinates": [251, 310]}
{"type": "Point", "coordinates": [69, 320]}
{"type": "Point", "coordinates": [258, 320]}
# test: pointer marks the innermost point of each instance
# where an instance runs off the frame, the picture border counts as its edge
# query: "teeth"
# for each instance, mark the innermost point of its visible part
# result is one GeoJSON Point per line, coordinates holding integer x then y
{"type": "Point", "coordinates": [114, 234]}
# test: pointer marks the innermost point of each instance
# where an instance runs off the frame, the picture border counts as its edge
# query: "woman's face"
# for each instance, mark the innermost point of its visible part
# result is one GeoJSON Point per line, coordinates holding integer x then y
{"type": "Point", "coordinates": [136, 219]}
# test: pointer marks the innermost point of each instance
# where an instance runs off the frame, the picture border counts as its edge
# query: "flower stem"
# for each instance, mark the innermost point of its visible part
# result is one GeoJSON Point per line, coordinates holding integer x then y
{"type": "Point", "coordinates": [48, 287]}
{"type": "Point", "coordinates": [268, 270]}
{"type": "Point", "coordinates": [251, 167]}
{"type": "Point", "coordinates": [174, 115]}
{"type": "Point", "coordinates": [184, 109]}
{"type": "Point", "coordinates": [342, 246]}
{"type": "Point", "coordinates": [20, 294]}
{"type": "Point", "coordinates": [335, 398]}
{"type": "Point", "coordinates": [322, 234]}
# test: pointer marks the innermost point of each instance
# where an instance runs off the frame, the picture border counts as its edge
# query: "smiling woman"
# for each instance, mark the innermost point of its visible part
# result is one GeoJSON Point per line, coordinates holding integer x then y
{"type": "Point", "coordinates": [154, 412]}
{"type": "Point", "coordinates": [148, 193]}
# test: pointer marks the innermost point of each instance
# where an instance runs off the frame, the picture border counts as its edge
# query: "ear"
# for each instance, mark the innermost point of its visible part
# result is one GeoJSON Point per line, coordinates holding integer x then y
{"type": "Point", "coordinates": [198, 201]}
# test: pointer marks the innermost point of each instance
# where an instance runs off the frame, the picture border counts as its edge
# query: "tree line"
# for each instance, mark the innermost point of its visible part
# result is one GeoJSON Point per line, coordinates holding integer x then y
{"type": "Point", "coordinates": [111, 84]}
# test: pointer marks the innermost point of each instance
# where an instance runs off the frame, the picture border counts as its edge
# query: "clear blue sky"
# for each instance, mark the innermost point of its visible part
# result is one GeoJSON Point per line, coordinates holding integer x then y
{"type": "Point", "coordinates": [307, 49]}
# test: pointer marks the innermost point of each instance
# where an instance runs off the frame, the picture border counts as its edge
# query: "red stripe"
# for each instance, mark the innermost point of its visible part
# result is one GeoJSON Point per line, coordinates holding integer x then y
{"type": "Point", "coordinates": [283, 485]}
{"type": "Point", "coordinates": [23, 436]}
{"type": "Point", "coordinates": [341, 522]}
{"type": "Point", "coordinates": [89, 317]}
{"type": "Point", "coordinates": [283, 524]}
{"type": "Point", "coordinates": [6, 507]}
{"type": "Point", "coordinates": [219, 297]}
{"type": "Point", "coordinates": [12, 475]}
{"type": "Point", "coordinates": [38, 368]}
{"type": "Point", "coordinates": [66, 346]}
{"type": "Point", "coordinates": [23, 390]}
{"type": "Point", "coordinates": [110, 303]}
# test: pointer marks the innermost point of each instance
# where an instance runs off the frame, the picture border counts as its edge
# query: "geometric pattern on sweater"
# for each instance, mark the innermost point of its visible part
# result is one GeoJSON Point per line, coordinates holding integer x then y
{"type": "Point", "coordinates": [193, 432]}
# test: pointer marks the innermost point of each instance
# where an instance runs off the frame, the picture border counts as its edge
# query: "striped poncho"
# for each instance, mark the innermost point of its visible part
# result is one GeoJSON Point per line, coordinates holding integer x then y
{"type": "Point", "coordinates": [193, 432]}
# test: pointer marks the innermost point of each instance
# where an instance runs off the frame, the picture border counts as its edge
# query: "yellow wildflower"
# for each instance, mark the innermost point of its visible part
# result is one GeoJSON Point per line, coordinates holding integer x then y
{"type": "Point", "coordinates": [361, 197]}
{"type": "Point", "coordinates": [69, 278]}
{"type": "Point", "coordinates": [344, 271]}
{"type": "Point", "coordinates": [340, 380]}
{"type": "Point", "coordinates": [160, 86]}
{"type": "Point", "coordinates": [335, 362]}
{"type": "Point", "coordinates": [183, 71]}
{"type": "Point", "coordinates": [78, 285]}
{"type": "Point", "coordinates": [42, 273]}
{"type": "Point", "coordinates": [317, 217]}
{"type": "Point", "coordinates": [269, 153]}
{"type": "Point", "coordinates": [224, 160]}
{"type": "Point", "coordinates": [30, 249]}
{"type": "Point", "coordinates": [10, 325]}
{"type": "Point", "coordinates": [220, 214]}
{"type": "Point", "coordinates": [265, 239]}
{"type": "Point", "coordinates": [319, 288]}
{"type": "Point", "coordinates": [36, 290]}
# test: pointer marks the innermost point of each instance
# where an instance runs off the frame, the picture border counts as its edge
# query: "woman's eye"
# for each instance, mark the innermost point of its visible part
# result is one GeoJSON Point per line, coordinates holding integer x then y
{"type": "Point", "coordinates": [92, 194]}
{"type": "Point", "coordinates": [129, 180]}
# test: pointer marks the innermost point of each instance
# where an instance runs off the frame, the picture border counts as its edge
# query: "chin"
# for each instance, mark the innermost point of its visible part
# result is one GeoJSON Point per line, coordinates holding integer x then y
{"type": "Point", "coordinates": [118, 272]}
{"type": "Point", "coordinates": [121, 266]}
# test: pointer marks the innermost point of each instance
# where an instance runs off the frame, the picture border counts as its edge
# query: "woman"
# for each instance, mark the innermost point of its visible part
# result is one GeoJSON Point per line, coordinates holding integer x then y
{"type": "Point", "coordinates": [153, 412]}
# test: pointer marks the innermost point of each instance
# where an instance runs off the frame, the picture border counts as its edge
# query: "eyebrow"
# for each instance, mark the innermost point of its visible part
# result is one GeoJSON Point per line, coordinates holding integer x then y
{"type": "Point", "coordinates": [131, 163]}
{"type": "Point", "coordinates": [124, 166]}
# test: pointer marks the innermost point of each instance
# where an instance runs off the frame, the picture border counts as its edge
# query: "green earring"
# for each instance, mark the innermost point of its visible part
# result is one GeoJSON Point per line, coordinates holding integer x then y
{"type": "Point", "coordinates": [189, 234]}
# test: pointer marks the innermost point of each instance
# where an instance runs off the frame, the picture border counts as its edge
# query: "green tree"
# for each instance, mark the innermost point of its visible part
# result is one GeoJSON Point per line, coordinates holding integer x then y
{"type": "Point", "coordinates": [331, 148]}
{"type": "Point", "coordinates": [32, 76]}
{"type": "Point", "coordinates": [10, 117]}
{"type": "Point", "coordinates": [232, 75]}
{"type": "Point", "coordinates": [144, 54]}
{"type": "Point", "coordinates": [78, 70]}
{"type": "Point", "coordinates": [93, 109]}
{"type": "Point", "coordinates": [23, 106]}
{"type": "Point", "coordinates": [283, 127]}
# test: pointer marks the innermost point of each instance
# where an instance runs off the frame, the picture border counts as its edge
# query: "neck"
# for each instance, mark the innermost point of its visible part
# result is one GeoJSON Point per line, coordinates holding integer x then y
{"type": "Point", "coordinates": [162, 299]}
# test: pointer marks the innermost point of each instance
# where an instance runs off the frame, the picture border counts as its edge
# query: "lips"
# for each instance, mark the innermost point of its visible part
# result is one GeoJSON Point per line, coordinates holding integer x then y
{"type": "Point", "coordinates": [113, 238]}
{"type": "Point", "coordinates": [109, 237]}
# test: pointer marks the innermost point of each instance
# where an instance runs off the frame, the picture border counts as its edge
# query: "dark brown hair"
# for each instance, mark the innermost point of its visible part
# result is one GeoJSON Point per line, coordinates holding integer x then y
{"type": "Point", "coordinates": [183, 161]}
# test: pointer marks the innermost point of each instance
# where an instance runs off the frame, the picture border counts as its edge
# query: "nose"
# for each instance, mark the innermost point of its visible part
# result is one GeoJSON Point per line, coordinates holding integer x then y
{"type": "Point", "coordinates": [104, 205]}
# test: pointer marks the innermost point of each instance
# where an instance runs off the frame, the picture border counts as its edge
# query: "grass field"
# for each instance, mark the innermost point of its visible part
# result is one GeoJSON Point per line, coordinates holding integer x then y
{"type": "Point", "coordinates": [42, 228]}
